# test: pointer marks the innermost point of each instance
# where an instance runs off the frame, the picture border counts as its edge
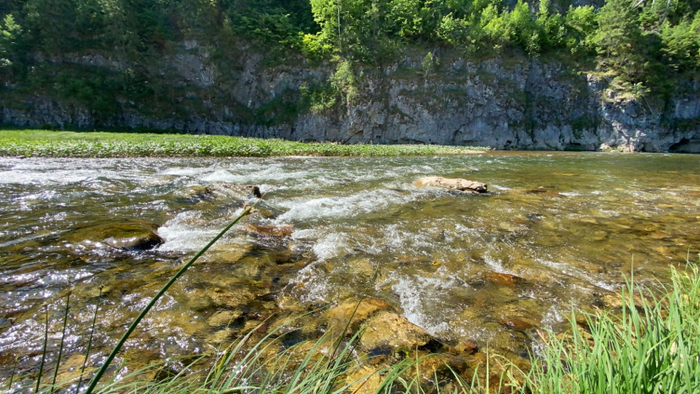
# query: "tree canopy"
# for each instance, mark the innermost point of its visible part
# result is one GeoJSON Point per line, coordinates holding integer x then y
{"type": "Point", "coordinates": [643, 44]}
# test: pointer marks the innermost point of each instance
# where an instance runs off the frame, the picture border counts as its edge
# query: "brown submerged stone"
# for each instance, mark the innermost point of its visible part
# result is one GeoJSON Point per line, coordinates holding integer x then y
{"type": "Point", "coordinates": [503, 279]}
{"type": "Point", "coordinates": [364, 380]}
{"type": "Point", "coordinates": [390, 330]}
{"type": "Point", "coordinates": [452, 184]}
{"type": "Point", "coordinates": [339, 316]}
{"type": "Point", "coordinates": [467, 347]}
{"type": "Point", "coordinates": [133, 235]}
{"type": "Point", "coordinates": [517, 323]}
{"type": "Point", "coordinates": [284, 230]}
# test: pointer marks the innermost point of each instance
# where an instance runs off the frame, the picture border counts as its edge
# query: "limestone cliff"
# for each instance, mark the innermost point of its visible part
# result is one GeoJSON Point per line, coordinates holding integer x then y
{"type": "Point", "coordinates": [500, 103]}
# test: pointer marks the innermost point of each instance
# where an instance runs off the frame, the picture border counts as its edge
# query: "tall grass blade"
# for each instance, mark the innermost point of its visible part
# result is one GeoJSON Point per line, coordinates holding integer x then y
{"type": "Point", "coordinates": [60, 347]}
{"type": "Point", "coordinates": [650, 347]}
{"type": "Point", "coordinates": [162, 291]}
{"type": "Point", "coordinates": [12, 376]}
{"type": "Point", "coordinates": [43, 351]}
{"type": "Point", "coordinates": [89, 345]}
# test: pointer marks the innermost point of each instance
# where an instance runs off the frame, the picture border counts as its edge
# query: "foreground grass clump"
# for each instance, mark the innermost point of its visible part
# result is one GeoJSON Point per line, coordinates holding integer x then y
{"type": "Point", "coordinates": [652, 346]}
{"type": "Point", "coordinates": [102, 144]}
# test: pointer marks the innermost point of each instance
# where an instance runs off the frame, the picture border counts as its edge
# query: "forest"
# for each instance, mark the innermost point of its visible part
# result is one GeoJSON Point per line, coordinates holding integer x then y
{"type": "Point", "coordinates": [643, 46]}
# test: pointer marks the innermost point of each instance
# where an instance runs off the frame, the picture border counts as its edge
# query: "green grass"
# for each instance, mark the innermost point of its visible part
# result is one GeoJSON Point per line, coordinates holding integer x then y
{"type": "Point", "coordinates": [43, 143]}
{"type": "Point", "coordinates": [652, 346]}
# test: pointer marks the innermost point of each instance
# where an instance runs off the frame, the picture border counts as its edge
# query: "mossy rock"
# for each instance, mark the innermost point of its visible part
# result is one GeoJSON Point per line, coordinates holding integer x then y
{"type": "Point", "coordinates": [135, 235]}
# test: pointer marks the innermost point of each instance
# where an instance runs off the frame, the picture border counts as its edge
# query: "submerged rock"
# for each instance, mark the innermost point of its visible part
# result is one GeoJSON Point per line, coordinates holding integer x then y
{"type": "Point", "coordinates": [503, 279]}
{"type": "Point", "coordinates": [390, 330]}
{"type": "Point", "coordinates": [219, 192]}
{"type": "Point", "coordinates": [341, 315]}
{"type": "Point", "coordinates": [452, 184]}
{"type": "Point", "coordinates": [364, 380]}
{"type": "Point", "coordinates": [283, 230]}
{"type": "Point", "coordinates": [136, 235]}
{"type": "Point", "coordinates": [224, 318]}
{"type": "Point", "coordinates": [517, 323]}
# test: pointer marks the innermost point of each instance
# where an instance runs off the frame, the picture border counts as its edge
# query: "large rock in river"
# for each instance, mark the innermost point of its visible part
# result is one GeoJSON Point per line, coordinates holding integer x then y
{"type": "Point", "coordinates": [390, 330]}
{"type": "Point", "coordinates": [452, 184]}
{"type": "Point", "coordinates": [134, 235]}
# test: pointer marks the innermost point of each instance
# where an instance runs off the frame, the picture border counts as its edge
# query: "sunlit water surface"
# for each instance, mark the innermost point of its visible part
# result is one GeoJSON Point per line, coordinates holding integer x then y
{"type": "Point", "coordinates": [360, 227]}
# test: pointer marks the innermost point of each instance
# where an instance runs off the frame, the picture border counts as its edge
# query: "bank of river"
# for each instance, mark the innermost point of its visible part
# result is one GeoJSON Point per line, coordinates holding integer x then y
{"type": "Point", "coordinates": [43, 143]}
{"type": "Point", "coordinates": [482, 269]}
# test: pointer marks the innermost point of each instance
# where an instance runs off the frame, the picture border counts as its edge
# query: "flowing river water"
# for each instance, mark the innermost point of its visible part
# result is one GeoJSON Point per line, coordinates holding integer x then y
{"type": "Point", "coordinates": [487, 268]}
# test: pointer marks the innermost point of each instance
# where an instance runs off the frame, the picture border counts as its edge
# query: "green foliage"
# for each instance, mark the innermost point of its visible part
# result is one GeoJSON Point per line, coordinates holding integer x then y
{"type": "Point", "coordinates": [344, 81]}
{"type": "Point", "coordinates": [316, 46]}
{"type": "Point", "coordinates": [644, 45]}
{"type": "Point", "coordinates": [407, 17]}
{"type": "Point", "coordinates": [580, 24]}
{"type": "Point", "coordinates": [100, 144]}
{"type": "Point", "coordinates": [318, 98]}
{"type": "Point", "coordinates": [618, 31]}
{"type": "Point", "coordinates": [9, 31]}
{"type": "Point", "coordinates": [429, 63]}
{"type": "Point", "coordinates": [273, 22]}
{"type": "Point", "coordinates": [682, 43]}
{"type": "Point", "coordinates": [650, 347]}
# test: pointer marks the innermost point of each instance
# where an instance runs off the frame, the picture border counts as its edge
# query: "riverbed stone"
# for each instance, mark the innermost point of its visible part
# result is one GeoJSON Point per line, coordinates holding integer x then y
{"type": "Point", "coordinates": [364, 380]}
{"type": "Point", "coordinates": [518, 323]}
{"type": "Point", "coordinates": [230, 298]}
{"type": "Point", "coordinates": [390, 330]}
{"type": "Point", "coordinates": [464, 347]}
{"type": "Point", "coordinates": [503, 279]}
{"type": "Point", "coordinates": [282, 230]}
{"type": "Point", "coordinates": [226, 317]}
{"type": "Point", "coordinates": [221, 336]}
{"type": "Point", "coordinates": [339, 316]}
{"type": "Point", "coordinates": [217, 191]}
{"type": "Point", "coordinates": [431, 364]}
{"type": "Point", "coordinates": [452, 184]}
{"type": "Point", "coordinates": [133, 235]}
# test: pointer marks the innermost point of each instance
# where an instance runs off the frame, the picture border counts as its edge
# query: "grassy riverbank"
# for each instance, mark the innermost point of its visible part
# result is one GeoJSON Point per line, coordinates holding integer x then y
{"type": "Point", "coordinates": [45, 143]}
{"type": "Point", "coordinates": [651, 345]}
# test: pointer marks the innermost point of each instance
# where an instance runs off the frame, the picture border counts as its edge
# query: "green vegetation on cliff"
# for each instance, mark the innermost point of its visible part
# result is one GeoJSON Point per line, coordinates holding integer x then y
{"type": "Point", "coordinates": [111, 56]}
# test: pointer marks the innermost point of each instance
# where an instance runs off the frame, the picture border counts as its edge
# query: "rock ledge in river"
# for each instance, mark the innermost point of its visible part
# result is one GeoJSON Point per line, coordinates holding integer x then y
{"type": "Point", "coordinates": [133, 235]}
{"type": "Point", "coordinates": [452, 184]}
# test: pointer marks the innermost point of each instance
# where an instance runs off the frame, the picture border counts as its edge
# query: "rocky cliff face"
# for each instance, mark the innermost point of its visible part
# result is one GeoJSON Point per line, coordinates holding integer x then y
{"type": "Point", "coordinates": [500, 103]}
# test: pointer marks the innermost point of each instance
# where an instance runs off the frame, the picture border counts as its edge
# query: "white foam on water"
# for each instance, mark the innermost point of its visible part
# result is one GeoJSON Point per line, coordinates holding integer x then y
{"type": "Point", "coordinates": [396, 239]}
{"type": "Point", "coordinates": [338, 207]}
{"type": "Point", "coordinates": [313, 283]}
{"type": "Point", "coordinates": [552, 317]}
{"type": "Point", "coordinates": [331, 245]}
{"type": "Point", "coordinates": [495, 264]}
{"type": "Point", "coordinates": [189, 232]}
{"type": "Point", "coordinates": [46, 178]}
{"type": "Point", "coordinates": [182, 171]}
{"type": "Point", "coordinates": [421, 303]}
{"type": "Point", "coordinates": [579, 274]}
{"type": "Point", "coordinates": [219, 176]}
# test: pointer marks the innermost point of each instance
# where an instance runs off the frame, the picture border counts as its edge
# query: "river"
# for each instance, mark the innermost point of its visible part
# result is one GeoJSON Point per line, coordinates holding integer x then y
{"type": "Point", "coordinates": [489, 268]}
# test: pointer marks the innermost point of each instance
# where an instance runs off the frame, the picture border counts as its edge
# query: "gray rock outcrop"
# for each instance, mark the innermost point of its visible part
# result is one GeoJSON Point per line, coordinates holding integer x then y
{"type": "Point", "coordinates": [499, 103]}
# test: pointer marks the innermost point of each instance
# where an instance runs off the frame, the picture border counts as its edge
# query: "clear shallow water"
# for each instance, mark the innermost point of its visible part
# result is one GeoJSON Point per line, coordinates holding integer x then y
{"type": "Point", "coordinates": [359, 226]}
